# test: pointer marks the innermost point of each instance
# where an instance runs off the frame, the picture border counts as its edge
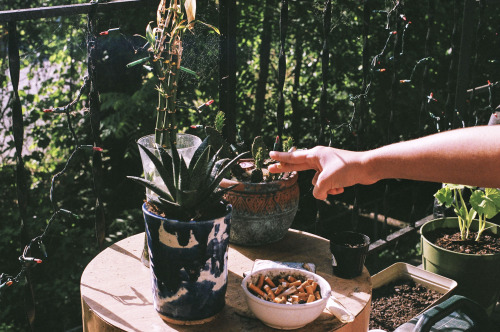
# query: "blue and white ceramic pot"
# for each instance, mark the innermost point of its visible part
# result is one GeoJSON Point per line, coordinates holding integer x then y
{"type": "Point", "coordinates": [188, 263]}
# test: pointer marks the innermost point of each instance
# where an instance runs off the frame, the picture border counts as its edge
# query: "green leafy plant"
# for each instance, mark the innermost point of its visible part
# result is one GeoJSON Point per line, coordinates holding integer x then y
{"type": "Point", "coordinates": [484, 204]}
{"type": "Point", "coordinates": [165, 55]}
{"type": "Point", "coordinates": [191, 191]}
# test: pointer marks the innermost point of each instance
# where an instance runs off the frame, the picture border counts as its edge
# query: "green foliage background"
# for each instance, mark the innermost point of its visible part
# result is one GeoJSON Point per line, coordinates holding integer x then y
{"type": "Point", "coordinates": [53, 55]}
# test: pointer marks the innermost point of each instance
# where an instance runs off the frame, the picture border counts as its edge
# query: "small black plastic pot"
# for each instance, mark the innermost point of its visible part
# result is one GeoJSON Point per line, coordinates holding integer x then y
{"type": "Point", "coordinates": [349, 251]}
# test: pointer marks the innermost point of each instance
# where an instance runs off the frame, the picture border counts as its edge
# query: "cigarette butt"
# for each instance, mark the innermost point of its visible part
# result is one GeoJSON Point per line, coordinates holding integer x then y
{"type": "Point", "coordinates": [317, 295]}
{"type": "Point", "coordinates": [269, 282]}
{"type": "Point", "coordinates": [269, 292]}
{"type": "Point", "coordinates": [278, 290]}
{"type": "Point", "coordinates": [290, 291]}
{"type": "Point", "coordinates": [260, 283]}
{"type": "Point", "coordinates": [295, 299]}
{"type": "Point", "coordinates": [277, 300]}
{"type": "Point", "coordinates": [311, 298]}
{"type": "Point", "coordinates": [309, 290]}
{"type": "Point", "coordinates": [296, 283]}
{"type": "Point", "coordinates": [254, 288]}
{"type": "Point", "coordinates": [291, 279]}
{"type": "Point", "coordinates": [314, 285]}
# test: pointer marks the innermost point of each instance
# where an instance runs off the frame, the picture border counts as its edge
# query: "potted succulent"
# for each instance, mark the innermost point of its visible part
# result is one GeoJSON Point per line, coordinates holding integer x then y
{"type": "Point", "coordinates": [187, 229]}
{"type": "Point", "coordinates": [164, 45]}
{"type": "Point", "coordinates": [264, 204]}
{"type": "Point", "coordinates": [466, 248]}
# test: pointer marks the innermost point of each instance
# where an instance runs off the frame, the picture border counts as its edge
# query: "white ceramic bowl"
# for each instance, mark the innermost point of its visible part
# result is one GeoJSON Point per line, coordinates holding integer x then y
{"type": "Point", "coordinates": [286, 316]}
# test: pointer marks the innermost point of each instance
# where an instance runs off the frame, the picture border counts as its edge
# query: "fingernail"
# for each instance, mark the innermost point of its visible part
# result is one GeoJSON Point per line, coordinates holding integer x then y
{"type": "Point", "coordinates": [278, 165]}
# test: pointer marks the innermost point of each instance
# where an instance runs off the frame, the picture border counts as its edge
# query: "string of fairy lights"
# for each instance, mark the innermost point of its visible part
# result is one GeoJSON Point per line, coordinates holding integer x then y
{"type": "Point", "coordinates": [27, 260]}
{"type": "Point", "coordinates": [376, 66]}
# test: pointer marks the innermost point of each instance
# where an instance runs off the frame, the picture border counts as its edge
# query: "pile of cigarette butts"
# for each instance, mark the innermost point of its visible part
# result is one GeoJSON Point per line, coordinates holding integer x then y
{"type": "Point", "coordinates": [289, 290]}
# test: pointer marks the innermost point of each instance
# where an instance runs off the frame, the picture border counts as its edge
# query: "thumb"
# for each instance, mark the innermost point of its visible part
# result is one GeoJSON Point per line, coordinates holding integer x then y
{"type": "Point", "coordinates": [320, 190]}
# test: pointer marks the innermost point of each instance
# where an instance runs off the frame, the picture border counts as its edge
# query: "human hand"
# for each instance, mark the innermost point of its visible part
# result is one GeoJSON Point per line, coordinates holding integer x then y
{"type": "Point", "coordinates": [335, 168]}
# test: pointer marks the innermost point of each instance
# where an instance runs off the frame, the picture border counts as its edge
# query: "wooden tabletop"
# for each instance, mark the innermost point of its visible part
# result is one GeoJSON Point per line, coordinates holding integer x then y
{"type": "Point", "coordinates": [116, 288]}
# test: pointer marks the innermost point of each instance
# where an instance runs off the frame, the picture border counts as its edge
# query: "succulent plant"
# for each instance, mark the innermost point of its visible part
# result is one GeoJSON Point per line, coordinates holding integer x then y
{"type": "Point", "coordinates": [192, 191]}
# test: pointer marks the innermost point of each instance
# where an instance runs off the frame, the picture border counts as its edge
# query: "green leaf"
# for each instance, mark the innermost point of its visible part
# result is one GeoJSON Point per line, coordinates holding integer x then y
{"type": "Point", "coordinates": [164, 170]}
{"type": "Point", "coordinates": [189, 71]}
{"type": "Point", "coordinates": [150, 36]}
{"type": "Point", "coordinates": [216, 181]}
{"type": "Point", "coordinates": [176, 163]}
{"type": "Point", "coordinates": [184, 178]}
{"type": "Point", "coordinates": [494, 194]}
{"type": "Point", "coordinates": [210, 26]}
{"type": "Point", "coordinates": [151, 185]}
{"type": "Point", "coordinates": [485, 204]}
{"type": "Point", "coordinates": [137, 62]}
{"type": "Point", "coordinates": [199, 152]}
{"type": "Point", "coordinates": [444, 196]}
{"type": "Point", "coordinates": [197, 175]}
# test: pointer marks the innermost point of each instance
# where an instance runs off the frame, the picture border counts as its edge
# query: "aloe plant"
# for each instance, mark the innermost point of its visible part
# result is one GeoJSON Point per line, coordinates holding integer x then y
{"type": "Point", "coordinates": [192, 190]}
{"type": "Point", "coordinates": [484, 204]}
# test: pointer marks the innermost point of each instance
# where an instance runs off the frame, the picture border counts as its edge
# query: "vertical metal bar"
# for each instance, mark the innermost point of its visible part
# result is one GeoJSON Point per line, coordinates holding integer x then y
{"type": "Point", "coordinates": [362, 105]}
{"type": "Point", "coordinates": [325, 62]}
{"type": "Point", "coordinates": [227, 66]}
{"type": "Point", "coordinates": [477, 42]}
{"type": "Point", "coordinates": [280, 113]}
{"type": "Point", "coordinates": [296, 105]}
{"type": "Point", "coordinates": [264, 60]}
{"type": "Point", "coordinates": [449, 112]}
{"type": "Point", "coordinates": [21, 180]}
{"type": "Point", "coordinates": [464, 59]}
{"type": "Point", "coordinates": [94, 106]}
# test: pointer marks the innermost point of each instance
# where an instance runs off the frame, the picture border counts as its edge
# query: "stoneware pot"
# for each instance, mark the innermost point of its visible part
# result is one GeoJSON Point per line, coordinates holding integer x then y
{"type": "Point", "coordinates": [478, 276]}
{"type": "Point", "coordinates": [186, 145]}
{"type": "Point", "coordinates": [188, 263]}
{"type": "Point", "coordinates": [262, 212]}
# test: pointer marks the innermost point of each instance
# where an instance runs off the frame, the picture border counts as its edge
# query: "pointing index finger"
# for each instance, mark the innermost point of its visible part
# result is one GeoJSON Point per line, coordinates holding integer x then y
{"type": "Point", "coordinates": [295, 157]}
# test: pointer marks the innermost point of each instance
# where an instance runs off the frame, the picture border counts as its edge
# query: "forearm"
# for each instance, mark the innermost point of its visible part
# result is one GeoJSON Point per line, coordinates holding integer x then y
{"type": "Point", "coordinates": [466, 156]}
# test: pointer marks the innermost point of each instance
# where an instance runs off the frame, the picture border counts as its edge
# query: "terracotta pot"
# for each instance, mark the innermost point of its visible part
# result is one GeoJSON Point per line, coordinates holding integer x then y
{"type": "Point", "coordinates": [188, 266]}
{"type": "Point", "coordinates": [262, 212]}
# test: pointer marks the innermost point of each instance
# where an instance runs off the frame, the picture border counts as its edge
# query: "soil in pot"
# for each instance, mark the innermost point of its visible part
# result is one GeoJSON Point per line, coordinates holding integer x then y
{"type": "Point", "coordinates": [449, 238]}
{"type": "Point", "coordinates": [397, 302]}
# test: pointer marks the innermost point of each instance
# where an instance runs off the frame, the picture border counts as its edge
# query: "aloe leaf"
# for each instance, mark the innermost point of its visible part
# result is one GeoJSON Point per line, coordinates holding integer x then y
{"type": "Point", "coordinates": [216, 181]}
{"type": "Point", "coordinates": [184, 176]}
{"type": "Point", "coordinates": [151, 185]}
{"type": "Point", "coordinates": [210, 165]}
{"type": "Point", "coordinates": [197, 175]}
{"type": "Point", "coordinates": [217, 167]}
{"type": "Point", "coordinates": [187, 199]}
{"type": "Point", "coordinates": [199, 151]}
{"type": "Point", "coordinates": [164, 169]}
{"type": "Point", "coordinates": [176, 164]}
